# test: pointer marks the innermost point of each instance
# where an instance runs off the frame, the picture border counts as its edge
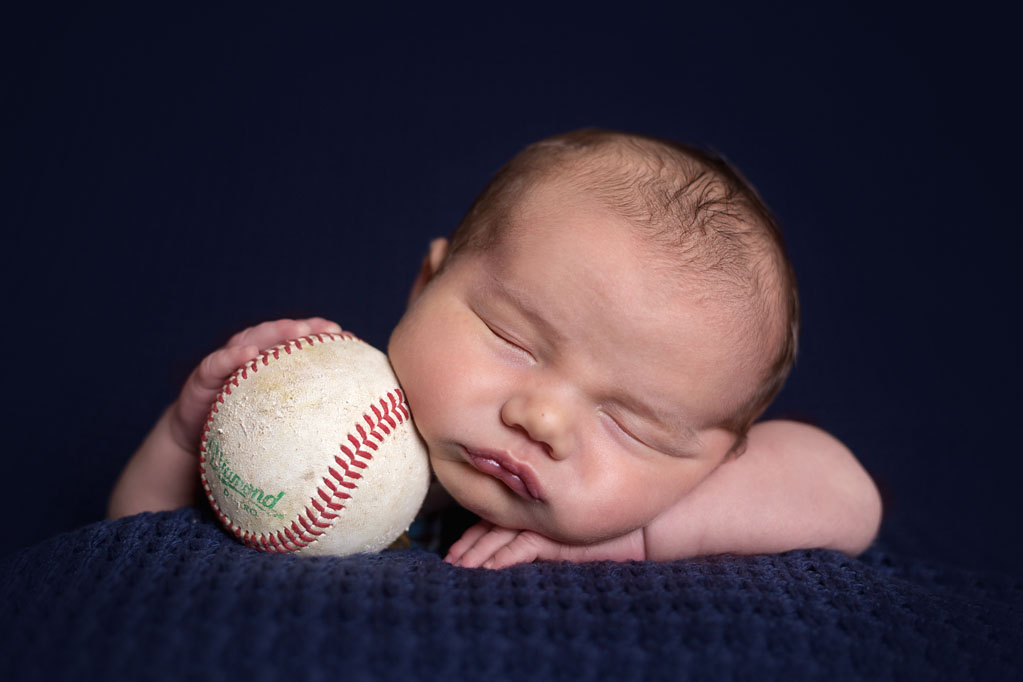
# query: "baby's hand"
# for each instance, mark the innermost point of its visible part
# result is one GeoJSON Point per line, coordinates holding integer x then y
{"type": "Point", "coordinates": [205, 382]}
{"type": "Point", "coordinates": [163, 472]}
{"type": "Point", "coordinates": [492, 546]}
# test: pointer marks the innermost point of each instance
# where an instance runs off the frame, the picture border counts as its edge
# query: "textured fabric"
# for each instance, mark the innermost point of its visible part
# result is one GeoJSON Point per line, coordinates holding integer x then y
{"type": "Point", "coordinates": [169, 596]}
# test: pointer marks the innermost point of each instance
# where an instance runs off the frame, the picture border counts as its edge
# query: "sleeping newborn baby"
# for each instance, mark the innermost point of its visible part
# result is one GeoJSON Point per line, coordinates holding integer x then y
{"type": "Point", "coordinates": [585, 360]}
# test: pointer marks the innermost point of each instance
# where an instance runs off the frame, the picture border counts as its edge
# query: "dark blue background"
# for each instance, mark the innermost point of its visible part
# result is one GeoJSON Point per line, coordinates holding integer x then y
{"type": "Point", "coordinates": [174, 175]}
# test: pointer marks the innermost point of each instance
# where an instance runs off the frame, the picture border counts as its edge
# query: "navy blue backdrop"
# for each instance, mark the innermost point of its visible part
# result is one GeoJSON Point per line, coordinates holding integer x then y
{"type": "Point", "coordinates": [171, 176]}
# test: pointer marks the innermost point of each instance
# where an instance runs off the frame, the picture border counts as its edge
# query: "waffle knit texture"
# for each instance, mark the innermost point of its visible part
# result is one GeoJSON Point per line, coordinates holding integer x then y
{"type": "Point", "coordinates": [170, 596]}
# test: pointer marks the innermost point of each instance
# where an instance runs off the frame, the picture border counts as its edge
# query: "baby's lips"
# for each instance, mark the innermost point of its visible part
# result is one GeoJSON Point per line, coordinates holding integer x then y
{"type": "Point", "coordinates": [505, 468]}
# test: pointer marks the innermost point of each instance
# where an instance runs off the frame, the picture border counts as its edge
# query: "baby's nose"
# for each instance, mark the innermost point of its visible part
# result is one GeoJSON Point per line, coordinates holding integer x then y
{"type": "Point", "coordinates": [545, 420]}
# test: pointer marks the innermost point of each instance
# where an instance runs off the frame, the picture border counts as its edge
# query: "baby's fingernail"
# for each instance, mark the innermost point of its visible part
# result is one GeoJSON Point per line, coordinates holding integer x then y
{"type": "Point", "coordinates": [489, 563]}
{"type": "Point", "coordinates": [334, 327]}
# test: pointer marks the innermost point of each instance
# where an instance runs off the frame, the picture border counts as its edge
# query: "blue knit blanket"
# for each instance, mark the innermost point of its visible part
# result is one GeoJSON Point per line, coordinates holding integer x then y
{"type": "Point", "coordinates": [170, 596]}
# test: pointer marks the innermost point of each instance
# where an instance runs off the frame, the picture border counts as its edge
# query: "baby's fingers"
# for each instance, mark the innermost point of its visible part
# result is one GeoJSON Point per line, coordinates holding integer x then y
{"type": "Point", "coordinates": [468, 539]}
{"type": "Point", "coordinates": [274, 332]}
{"type": "Point", "coordinates": [483, 546]}
{"type": "Point", "coordinates": [321, 325]}
{"type": "Point", "coordinates": [524, 548]}
{"type": "Point", "coordinates": [202, 387]}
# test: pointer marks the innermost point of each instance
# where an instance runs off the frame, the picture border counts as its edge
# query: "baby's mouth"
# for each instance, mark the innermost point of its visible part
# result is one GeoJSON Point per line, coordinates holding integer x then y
{"type": "Point", "coordinates": [505, 469]}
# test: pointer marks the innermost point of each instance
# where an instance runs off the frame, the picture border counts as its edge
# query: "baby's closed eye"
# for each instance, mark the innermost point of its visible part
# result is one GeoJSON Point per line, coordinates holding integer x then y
{"type": "Point", "coordinates": [632, 435]}
{"type": "Point", "coordinates": [619, 427]}
{"type": "Point", "coordinates": [508, 339]}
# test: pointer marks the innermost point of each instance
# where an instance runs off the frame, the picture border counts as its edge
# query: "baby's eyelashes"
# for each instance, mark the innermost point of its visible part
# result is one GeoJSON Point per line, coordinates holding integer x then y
{"type": "Point", "coordinates": [617, 425]}
{"type": "Point", "coordinates": [625, 433]}
{"type": "Point", "coordinates": [505, 338]}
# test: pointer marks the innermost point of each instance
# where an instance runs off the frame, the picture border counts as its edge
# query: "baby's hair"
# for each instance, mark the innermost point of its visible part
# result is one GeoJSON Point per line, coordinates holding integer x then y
{"type": "Point", "coordinates": [700, 214]}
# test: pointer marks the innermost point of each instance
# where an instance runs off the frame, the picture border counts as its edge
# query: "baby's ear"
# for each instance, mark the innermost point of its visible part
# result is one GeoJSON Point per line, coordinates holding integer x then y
{"type": "Point", "coordinates": [431, 264]}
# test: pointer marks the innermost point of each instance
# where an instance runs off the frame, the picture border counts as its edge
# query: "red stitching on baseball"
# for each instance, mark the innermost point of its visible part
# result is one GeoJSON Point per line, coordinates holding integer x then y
{"type": "Point", "coordinates": [340, 477]}
{"type": "Point", "coordinates": [357, 444]}
{"type": "Point", "coordinates": [300, 533]}
{"type": "Point", "coordinates": [323, 512]}
{"type": "Point", "coordinates": [317, 522]}
{"type": "Point", "coordinates": [308, 527]}
{"type": "Point", "coordinates": [392, 411]}
{"type": "Point", "coordinates": [400, 403]}
{"type": "Point", "coordinates": [351, 457]}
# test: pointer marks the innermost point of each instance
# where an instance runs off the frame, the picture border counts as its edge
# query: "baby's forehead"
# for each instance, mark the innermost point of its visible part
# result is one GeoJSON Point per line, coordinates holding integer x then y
{"type": "Point", "coordinates": [695, 232]}
{"type": "Point", "coordinates": [697, 262]}
{"type": "Point", "coordinates": [564, 252]}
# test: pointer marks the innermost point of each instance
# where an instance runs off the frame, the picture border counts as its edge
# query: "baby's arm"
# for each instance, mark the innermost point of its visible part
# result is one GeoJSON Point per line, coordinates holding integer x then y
{"type": "Point", "coordinates": [163, 472]}
{"type": "Point", "coordinates": [794, 487]}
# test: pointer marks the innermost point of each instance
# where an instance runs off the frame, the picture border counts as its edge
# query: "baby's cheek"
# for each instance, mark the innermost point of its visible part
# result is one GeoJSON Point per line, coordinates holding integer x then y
{"type": "Point", "coordinates": [434, 402]}
{"type": "Point", "coordinates": [480, 494]}
{"type": "Point", "coordinates": [421, 380]}
{"type": "Point", "coordinates": [608, 512]}
{"type": "Point", "coordinates": [583, 522]}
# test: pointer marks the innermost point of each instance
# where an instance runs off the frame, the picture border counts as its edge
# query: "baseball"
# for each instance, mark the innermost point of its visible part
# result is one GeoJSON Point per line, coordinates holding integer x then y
{"type": "Point", "coordinates": [310, 448]}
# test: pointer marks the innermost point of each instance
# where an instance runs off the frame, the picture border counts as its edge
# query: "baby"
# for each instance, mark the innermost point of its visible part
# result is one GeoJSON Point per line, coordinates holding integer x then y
{"type": "Point", "coordinates": [585, 360]}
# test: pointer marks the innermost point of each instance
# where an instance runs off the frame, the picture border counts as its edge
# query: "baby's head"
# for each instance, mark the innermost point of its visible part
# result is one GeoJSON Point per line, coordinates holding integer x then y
{"type": "Point", "coordinates": [605, 325]}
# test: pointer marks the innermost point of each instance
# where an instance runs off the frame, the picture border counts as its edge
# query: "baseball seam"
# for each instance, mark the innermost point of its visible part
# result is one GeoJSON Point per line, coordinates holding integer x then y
{"type": "Point", "coordinates": [356, 449]}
